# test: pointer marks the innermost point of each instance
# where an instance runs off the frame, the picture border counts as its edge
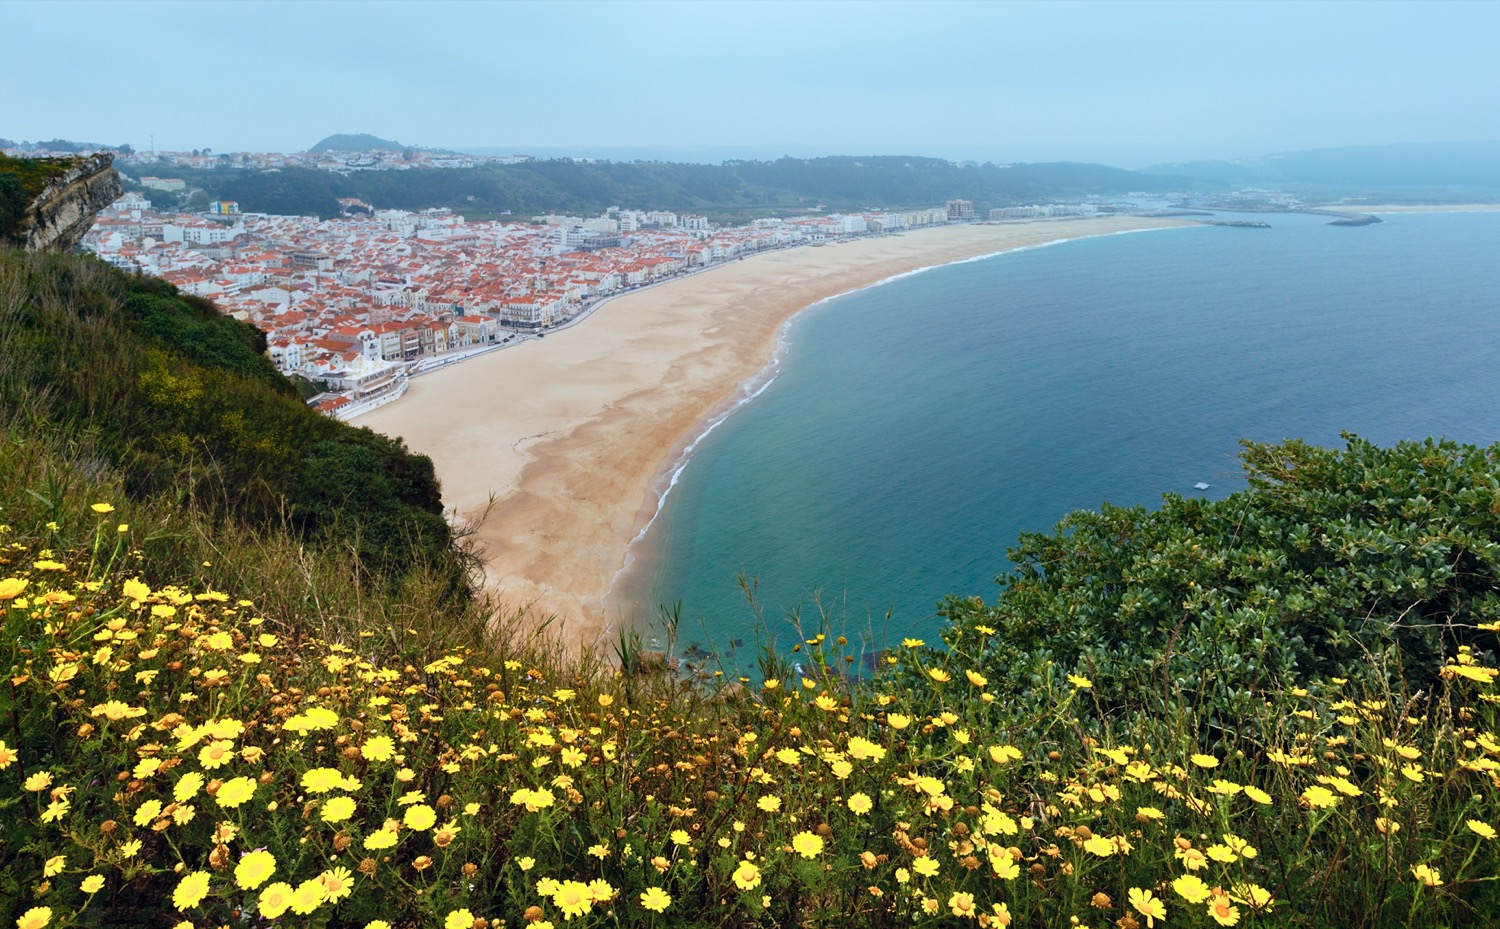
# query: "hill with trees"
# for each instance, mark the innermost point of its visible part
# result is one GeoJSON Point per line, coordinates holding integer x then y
{"type": "Point", "coordinates": [733, 191]}
{"type": "Point", "coordinates": [355, 142]}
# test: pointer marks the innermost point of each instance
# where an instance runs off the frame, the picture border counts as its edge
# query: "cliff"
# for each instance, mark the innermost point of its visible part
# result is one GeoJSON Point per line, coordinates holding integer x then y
{"type": "Point", "coordinates": [62, 210]}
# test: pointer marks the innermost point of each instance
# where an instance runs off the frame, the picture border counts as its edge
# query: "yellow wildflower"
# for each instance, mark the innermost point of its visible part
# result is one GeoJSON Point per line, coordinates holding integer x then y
{"type": "Point", "coordinates": [235, 791]}
{"type": "Point", "coordinates": [337, 883]}
{"type": "Point", "coordinates": [254, 869]}
{"type": "Point", "coordinates": [308, 896]}
{"type": "Point", "coordinates": [962, 905]}
{"type": "Point", "coordinates": [655, 899]}
{"type": "Point", "coordinates": [1319, 797]}
{"type": "Point", "coordinates": [337, 809]}
{"type": "Point", "coordinates": [190, 890]}
{"type": "Point", "coordinates": [1001, 754]}
{"type": "Point", "coordinates": [275, 900]}
{"type": "Point", "coordinates": [1191, 888]}
{"type": "Point", "coordinates": [574, 898]}
{"type": "Point", "coordinates": [807, 844]}
{"type": "Point", "coordinates": [746, 876]}
{"type": "Point", "coordinates": [420, 817]}
{"type": "Point", "coordinates": [1148, 905]}
{"type": "Point", "coordinates": [322, 780]}
{"type": "Point", "coordinates": [1222, 910]}
{"type": "Point", "coordinates": [35, 918]}
{"type": "Point", "coordinates": [147, 812]}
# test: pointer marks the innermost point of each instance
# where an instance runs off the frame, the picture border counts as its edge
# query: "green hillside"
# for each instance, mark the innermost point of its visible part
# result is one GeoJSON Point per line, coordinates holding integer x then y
{"type": "Point", "coordinates": [176, 399]}
{"type": "Point", "coordinates": [248, 679]}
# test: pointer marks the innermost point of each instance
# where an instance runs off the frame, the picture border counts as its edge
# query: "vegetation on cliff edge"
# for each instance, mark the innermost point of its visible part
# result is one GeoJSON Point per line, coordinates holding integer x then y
{"type": "Point", "coordinates": [178, 400]}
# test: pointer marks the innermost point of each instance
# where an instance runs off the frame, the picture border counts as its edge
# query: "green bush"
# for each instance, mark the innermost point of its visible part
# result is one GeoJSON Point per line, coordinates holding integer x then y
{"type": "Point", "coordinates": [1329, 563]}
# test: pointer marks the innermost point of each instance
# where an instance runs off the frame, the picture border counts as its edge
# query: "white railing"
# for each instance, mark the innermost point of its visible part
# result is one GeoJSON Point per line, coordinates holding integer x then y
{"type": "Point", "coordinates": [367, 404]}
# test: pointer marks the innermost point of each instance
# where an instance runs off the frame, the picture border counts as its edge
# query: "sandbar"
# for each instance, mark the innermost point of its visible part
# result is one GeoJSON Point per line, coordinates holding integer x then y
{"type": "Point", "coordinates": [553, 451]}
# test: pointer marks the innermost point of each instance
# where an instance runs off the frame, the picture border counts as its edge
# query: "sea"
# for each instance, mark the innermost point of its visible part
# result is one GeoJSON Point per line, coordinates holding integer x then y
{"type": "Point", "coordinates": [908, 433]}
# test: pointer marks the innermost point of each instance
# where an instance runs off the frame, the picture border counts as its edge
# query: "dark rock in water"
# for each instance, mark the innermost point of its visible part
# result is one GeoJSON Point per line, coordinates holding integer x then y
{"type": "Point", "coordinates": [1363, 219]}
{"type": "Point", "coordinates": [1238, 223]}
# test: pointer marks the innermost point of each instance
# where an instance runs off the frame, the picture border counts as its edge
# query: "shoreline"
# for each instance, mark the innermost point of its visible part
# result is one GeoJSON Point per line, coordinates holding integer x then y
{"type": "Point", "coordinates": [675, 462]}
{"type": "Point", "coordinates": [560, 452]}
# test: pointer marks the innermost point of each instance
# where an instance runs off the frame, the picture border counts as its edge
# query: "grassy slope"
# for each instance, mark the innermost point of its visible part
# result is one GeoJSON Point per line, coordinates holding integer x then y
{"type": "Point", "coordinates": [178, 658]}
{"type": "Point", "coordinates": [179, 400]}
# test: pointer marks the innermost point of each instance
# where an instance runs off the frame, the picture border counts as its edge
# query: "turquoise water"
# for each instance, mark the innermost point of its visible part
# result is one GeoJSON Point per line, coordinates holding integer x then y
{"type": "Point", "coordinates": [914, 429]}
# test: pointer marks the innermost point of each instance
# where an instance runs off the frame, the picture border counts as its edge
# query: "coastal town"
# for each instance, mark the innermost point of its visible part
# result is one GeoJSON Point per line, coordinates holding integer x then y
{"type": "Point", "coordinates": [357, 305]}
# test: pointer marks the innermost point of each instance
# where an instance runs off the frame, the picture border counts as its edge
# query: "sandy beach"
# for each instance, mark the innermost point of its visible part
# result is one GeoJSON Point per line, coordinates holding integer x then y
{"type": "Point", "coordinates": [556, 449]}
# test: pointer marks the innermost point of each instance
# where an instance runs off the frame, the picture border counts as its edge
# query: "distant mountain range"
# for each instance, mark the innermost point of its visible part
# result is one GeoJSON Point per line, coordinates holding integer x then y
{"type": "Point", "coordinates": [1367, 169]}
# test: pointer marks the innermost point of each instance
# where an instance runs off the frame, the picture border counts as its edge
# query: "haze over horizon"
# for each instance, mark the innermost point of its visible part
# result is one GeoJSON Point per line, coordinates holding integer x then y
{"type": "Point", "coordinates": [1125, 84]}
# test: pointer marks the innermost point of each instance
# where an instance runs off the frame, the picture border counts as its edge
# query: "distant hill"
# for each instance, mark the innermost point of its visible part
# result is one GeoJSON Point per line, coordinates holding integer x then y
{"type": "Point", "coordinates": [1459, 168]}
{"type": "Point", "coordinates": [356, 142]}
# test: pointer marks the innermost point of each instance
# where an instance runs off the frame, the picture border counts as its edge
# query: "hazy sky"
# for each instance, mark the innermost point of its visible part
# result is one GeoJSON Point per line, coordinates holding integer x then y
{"type": "Point", "coordinates": [1116, 82]}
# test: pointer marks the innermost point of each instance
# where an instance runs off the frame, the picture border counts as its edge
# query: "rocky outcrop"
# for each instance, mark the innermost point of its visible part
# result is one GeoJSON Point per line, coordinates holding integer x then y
{"type": "Point", "coordinates": [57, 218]}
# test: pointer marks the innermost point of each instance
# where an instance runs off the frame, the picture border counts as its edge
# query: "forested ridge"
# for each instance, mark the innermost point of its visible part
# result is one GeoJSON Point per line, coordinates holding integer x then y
{"type": "Point", "coordinates": [736, 190]}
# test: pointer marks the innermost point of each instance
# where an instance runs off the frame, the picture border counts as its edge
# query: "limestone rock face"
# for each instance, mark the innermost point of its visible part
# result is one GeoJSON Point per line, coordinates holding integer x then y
{"type": "Point", "coordinates": [60, 215]}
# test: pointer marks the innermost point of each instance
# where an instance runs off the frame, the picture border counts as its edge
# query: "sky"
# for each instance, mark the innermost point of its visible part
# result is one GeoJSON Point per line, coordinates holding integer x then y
{"type": "Point", "coordinates": [1122, 83]}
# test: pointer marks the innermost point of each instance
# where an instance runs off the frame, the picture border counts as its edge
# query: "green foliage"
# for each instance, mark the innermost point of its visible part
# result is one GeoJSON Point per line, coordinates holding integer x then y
{"type": "Point", "coordinates": [13, 200]}
{"type": "Point", "coordinates": [1329, 562]}
{"type": "Point", "coordinates": [181, 400]}
{"type": "Point", "coordinates": [194, 328]}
